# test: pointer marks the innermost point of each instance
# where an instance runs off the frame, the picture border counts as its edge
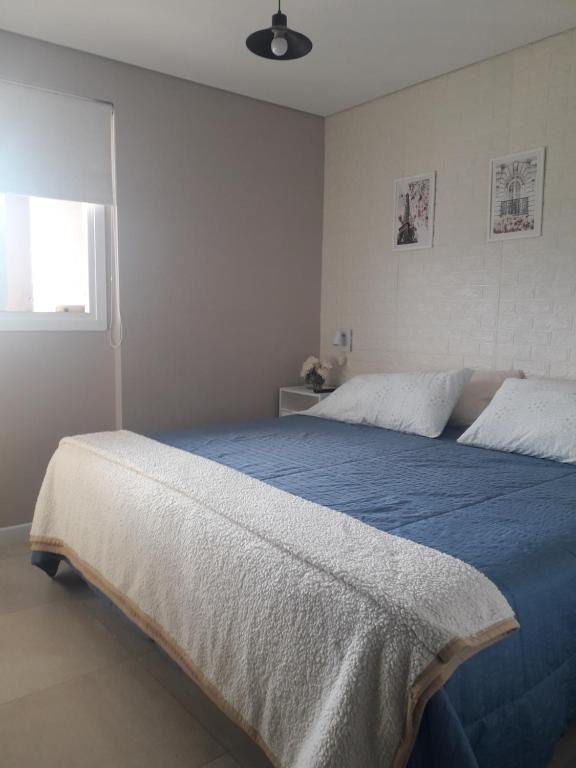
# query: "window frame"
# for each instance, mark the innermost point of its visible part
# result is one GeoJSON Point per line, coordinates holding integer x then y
{"type": "Point", "coordinates": [97, 318]}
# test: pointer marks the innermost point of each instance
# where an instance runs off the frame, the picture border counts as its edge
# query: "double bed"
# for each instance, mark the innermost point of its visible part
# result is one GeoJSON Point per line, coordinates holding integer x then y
{"type": "Point", "coordinates": [276, 620]}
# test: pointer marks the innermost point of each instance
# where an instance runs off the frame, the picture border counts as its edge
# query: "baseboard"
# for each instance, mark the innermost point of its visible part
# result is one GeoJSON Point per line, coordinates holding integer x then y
{"type": "Point", "coordinates": [15, 527]}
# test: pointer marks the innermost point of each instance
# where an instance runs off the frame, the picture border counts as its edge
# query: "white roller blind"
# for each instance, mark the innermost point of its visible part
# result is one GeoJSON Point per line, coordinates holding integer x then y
{"type": "Point", "coordinates": [52, 145]}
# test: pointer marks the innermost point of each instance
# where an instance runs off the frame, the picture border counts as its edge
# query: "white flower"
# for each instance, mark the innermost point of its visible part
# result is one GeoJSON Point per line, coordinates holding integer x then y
{"type": "Point", "coordinates": [309, 365]}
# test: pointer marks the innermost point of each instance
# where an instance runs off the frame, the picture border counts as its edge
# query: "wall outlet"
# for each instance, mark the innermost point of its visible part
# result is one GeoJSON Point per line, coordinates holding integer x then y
{"type": "Point", "coordinates": [343, 340]}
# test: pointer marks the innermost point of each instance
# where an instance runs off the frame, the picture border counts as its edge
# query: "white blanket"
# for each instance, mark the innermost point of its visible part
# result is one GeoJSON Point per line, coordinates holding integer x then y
{"type": "Point", "coordinates": [322, 637]}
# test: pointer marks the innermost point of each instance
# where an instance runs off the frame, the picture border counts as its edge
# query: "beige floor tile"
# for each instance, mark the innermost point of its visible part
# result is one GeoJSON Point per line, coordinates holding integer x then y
{"type": "Point", "coordinates": [14, 541]}
{"type": "Point", "coordinates": [23, 586]}
{"type": "Point", "coordinates": [49, 644]}
{"type": "Point", "coordinates": [119, 718]}
{"type": "Point", "coordinates": [120, 627]}
{"type": "Point", "coordinates": [73, 697]}
{"type": "Point", "coordinates": [240, 746]}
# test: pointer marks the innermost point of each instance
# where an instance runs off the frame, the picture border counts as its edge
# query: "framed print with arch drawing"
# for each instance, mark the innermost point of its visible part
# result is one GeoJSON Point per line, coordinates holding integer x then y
{"type": "Point", "coordinates": [516, 190]}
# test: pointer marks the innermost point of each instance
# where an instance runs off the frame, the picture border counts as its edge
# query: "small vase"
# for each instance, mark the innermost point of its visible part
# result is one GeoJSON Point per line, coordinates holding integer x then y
{"type": "Point", "coordinates": [314, 381]}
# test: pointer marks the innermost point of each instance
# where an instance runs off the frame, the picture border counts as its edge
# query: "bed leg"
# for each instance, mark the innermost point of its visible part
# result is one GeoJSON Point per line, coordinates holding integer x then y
{"type": "Point", "coordinates": [46, 561]}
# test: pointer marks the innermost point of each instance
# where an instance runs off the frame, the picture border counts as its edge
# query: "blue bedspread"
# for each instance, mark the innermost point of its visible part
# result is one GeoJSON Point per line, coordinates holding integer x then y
{"type": "Point", "coordinates": [512, 517]}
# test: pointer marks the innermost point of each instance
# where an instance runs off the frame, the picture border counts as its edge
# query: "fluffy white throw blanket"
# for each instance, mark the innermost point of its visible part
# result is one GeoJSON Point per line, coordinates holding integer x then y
{"type": "Point", "coordinates": [322, 637]}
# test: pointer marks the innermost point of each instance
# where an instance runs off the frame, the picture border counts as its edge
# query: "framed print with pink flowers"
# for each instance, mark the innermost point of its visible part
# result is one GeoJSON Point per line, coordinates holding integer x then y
{"type": "Point", "coordinates": [414, 212]}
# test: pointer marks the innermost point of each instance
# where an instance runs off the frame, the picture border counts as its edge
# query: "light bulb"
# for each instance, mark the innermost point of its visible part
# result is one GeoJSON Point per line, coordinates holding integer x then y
{"type": "Point", "coordinates": [279, 44]}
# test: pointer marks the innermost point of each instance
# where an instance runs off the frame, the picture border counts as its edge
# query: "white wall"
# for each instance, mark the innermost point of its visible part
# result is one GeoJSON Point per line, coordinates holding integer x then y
{"type": "Point", "coordinates": [465, 301]}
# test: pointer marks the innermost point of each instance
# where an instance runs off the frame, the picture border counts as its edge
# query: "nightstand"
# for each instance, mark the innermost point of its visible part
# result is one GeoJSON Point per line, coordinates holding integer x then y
{"type": "Point", "coordinates": [296, 399]}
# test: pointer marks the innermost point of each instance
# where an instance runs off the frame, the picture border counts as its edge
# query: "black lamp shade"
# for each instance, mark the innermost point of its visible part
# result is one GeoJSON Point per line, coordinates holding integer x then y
{"type": "Point", "coordinates": [260, 42]}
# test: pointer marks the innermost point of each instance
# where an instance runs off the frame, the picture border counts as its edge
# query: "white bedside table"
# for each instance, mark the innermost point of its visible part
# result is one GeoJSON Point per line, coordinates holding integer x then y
{"type": "Point", "coordinates": [296, 399]}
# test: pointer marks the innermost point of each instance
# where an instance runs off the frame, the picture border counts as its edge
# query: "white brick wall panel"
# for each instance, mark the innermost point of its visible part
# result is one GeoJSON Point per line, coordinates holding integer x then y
{"type": "Point", "coordinates": [542, 338]}
{"type": "Point", "coordinates": [552, 322]}
{"type": "Point", "coordinates": [550, 354]}
{"type": "Point", "coordinates": [520, 322]}
{"type": "Point", "coordinates": [465, 301]}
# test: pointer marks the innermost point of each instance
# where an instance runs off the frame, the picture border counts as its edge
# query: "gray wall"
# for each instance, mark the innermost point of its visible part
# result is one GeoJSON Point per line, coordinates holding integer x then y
{"type": "Point", "coordinates": [220, 220]}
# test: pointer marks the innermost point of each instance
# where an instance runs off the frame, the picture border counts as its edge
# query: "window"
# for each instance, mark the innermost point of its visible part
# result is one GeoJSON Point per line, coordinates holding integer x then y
{"type": "Point", "coordinates": [56, 197]}
{"type": "Point", "coordinates": [514, 189]}
{"type": "Point", "coordinates": [52, 264]}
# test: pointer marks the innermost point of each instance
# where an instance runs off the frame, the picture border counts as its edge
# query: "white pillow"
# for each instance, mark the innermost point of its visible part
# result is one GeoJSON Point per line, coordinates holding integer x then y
{"type": "Point", "coordinates": [529, 416]}
{"type": "Point", "coordinates": [420, 403]}
{"type": "Point", "coordinates": [477, 394]}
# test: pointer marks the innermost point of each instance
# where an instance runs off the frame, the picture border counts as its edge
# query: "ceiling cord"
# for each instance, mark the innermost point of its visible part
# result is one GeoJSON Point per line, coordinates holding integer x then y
{"type": "Point", "coordinates": [116, 330]}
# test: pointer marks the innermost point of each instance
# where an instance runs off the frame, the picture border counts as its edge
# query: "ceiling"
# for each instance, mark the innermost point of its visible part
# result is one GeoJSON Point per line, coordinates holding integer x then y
{"type": "Point", "coordinates": [362, 48]}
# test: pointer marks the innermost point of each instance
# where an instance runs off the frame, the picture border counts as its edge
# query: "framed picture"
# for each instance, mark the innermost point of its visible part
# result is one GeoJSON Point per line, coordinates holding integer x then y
{"type": "Point", "coordinates": [414, 212]}
{"type": "Point", "coordinates": [516, 188]}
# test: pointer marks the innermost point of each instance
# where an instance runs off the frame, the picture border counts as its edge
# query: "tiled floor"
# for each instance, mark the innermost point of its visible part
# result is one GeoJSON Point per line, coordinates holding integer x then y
{"type": "Point", "coordinates": [81, 688]}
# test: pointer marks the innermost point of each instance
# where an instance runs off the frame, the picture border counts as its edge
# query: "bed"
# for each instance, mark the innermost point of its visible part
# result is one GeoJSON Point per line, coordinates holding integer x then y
{"type": "Point", "coordinates": [502, 702]}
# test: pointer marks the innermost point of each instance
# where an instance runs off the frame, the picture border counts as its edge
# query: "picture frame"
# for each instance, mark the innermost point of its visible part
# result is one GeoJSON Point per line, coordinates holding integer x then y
{"type": "Point", "coordinates": [516, 195]}
{"type": "Point", "coordinates": [414, 208]}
